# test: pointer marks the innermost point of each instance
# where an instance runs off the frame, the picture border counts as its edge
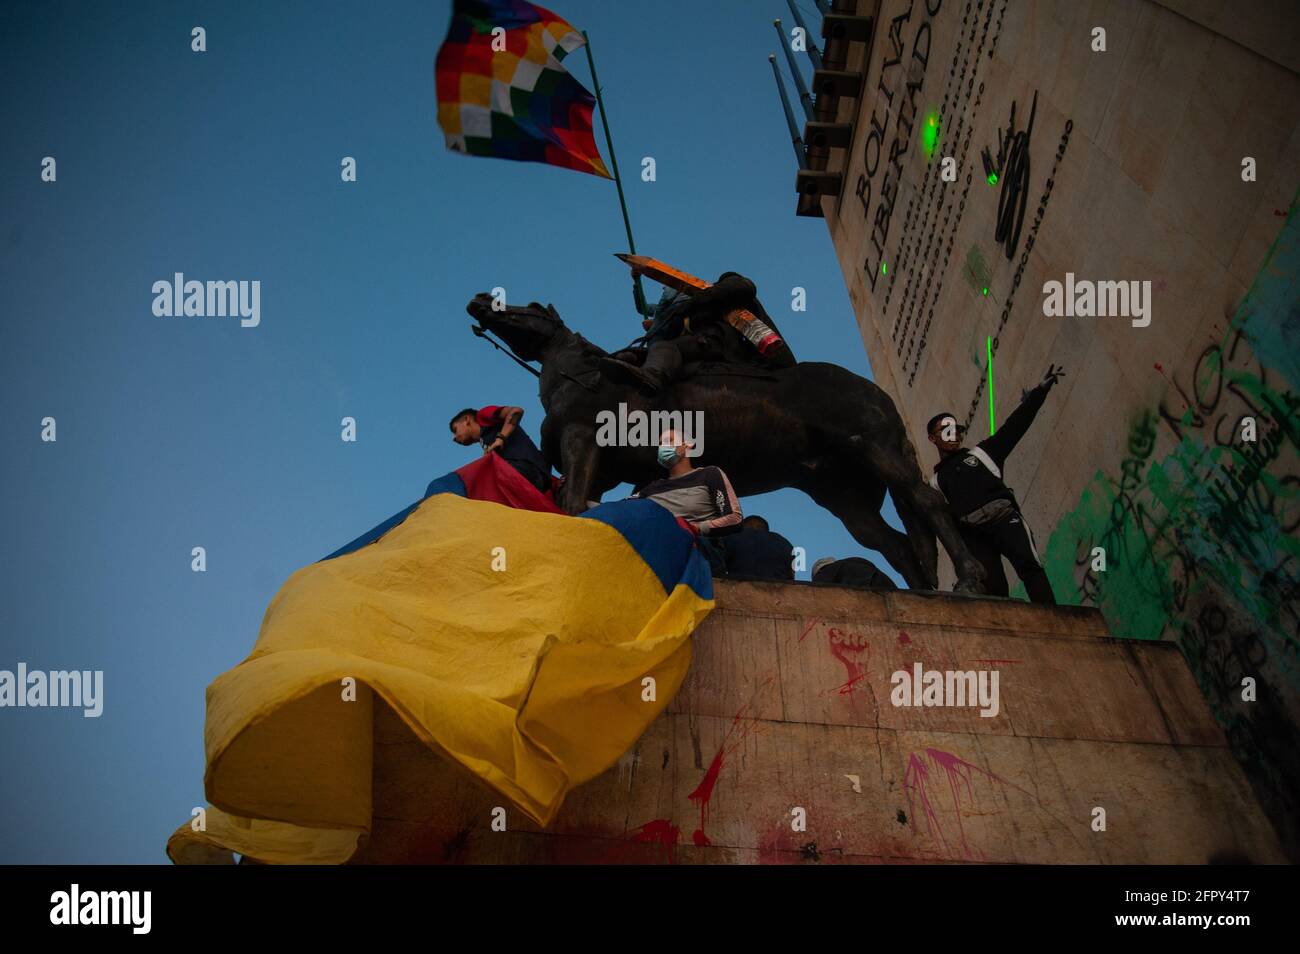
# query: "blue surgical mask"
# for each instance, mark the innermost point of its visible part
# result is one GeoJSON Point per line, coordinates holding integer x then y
{"type": "Point", "coordinates": [667, 456]}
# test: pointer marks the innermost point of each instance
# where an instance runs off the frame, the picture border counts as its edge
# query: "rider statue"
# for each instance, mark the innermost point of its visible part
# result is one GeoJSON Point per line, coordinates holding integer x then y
{"type": "Point", "coordinates": [685, 328]}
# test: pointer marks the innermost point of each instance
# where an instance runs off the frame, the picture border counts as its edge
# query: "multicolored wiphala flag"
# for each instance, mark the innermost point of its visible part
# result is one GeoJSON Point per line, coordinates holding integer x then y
{"type": "Point", "coordinates": [515, 101]}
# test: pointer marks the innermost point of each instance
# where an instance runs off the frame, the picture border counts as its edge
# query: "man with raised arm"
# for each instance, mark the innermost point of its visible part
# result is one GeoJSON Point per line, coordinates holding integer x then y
{"type": "Point", "coordinates": [987, 513]}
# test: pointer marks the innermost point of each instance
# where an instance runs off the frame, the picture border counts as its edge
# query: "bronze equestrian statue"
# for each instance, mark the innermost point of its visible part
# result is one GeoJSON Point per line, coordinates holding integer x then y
{"type": "Point", "coordinates": [817, 427]}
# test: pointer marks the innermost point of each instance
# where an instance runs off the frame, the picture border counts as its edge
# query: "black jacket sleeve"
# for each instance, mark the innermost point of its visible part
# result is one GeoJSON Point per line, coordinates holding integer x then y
{"type": "Point", "coordinates": [788, 573]}
{"type": "Point", "coordinates": [734, 291]}
{"type": "Point", "coordinates": [1003, 441]}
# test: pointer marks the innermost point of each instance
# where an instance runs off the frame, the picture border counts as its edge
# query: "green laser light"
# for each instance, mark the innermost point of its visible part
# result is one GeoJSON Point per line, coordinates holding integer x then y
{"type": "Point", "coordinates": [930, 134]}
{"type": "Point", "coordinates": [884, 269]}
{"type": "Point", "coordinates": [993, 178]}
{"type": "Point", "coordinates": [990, 347]}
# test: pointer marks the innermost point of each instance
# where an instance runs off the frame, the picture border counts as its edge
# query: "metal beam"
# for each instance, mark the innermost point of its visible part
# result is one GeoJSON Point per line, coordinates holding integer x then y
{"type": "Point", "coordinates": [804, 96]}
{"type": "Point", "coordinates": [800, 155]}
{"type": "Point", "coordinates": [814, 54]}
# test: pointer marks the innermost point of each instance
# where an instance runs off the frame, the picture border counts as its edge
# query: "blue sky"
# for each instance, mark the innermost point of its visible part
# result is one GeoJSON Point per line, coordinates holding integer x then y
{"type": "Point", "coordinates": [175, 433]}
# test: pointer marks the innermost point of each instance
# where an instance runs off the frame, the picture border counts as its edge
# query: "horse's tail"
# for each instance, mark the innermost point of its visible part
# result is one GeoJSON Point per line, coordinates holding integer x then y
{"type": "Point", "coordinates": [919, 532]}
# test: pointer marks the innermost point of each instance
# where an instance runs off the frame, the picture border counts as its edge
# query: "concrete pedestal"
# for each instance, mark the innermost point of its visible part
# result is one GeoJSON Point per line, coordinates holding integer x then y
{"type": "Point", "coordinates": [786, 716]}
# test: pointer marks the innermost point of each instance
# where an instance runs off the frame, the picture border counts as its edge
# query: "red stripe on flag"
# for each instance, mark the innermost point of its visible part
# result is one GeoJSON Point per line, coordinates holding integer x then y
{"type": "Point", "coordinates": [492, 478]}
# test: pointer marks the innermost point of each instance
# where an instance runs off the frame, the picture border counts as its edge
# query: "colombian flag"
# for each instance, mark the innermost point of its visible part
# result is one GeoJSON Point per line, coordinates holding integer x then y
{"type": "Point", "coordinates": [515, 102]}
{"type": "Point", "coordinates": [512, 640]}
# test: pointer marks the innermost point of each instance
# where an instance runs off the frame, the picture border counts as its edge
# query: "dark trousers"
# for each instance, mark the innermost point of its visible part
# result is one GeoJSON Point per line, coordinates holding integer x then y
{"type": "Point", "coordinates": [714, 553]}
{"type": "Point", "coordinates": [1009, 537]}
{"type": "Point", "coordinates": [667, 357]}
{"type": "Point", "coordinates": [532, 474]}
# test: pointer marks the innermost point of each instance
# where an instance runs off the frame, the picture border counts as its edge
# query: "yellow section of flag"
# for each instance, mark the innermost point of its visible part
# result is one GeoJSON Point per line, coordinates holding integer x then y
{"type": "Point", "coordinates": [529, 678]}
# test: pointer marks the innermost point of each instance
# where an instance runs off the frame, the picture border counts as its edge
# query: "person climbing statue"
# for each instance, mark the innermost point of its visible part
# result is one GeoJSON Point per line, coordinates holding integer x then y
{"type": "Point", "coordinates": [988, 516]}
{"type": "Point", "coordinates": [661, 323]}
{"type": "Point", "coordinates": [497, 429]}
{"type": "Point", "coordinates": [688, 328]}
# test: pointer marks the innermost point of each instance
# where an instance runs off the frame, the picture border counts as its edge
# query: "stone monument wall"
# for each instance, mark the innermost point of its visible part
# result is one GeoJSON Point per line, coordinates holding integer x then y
{"type": "Point", "coordinates": [1170, 159]}
{"type": "Point", "coordinates": [784, 746]}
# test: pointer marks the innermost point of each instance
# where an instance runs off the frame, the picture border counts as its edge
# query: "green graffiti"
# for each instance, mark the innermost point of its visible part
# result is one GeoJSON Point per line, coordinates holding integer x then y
{"type": "Point", "coordinates": [1206, 513]}
{"type": "Point", "coordinates": [1135, 592]}
{"type": "Point", "coordinates": [1201, 543]}
{"type": "Point", "coordinates": [1215, 511]}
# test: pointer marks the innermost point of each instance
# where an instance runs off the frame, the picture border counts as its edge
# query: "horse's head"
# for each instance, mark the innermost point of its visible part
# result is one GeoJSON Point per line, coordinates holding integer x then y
{"type": "Point", "coordinates": [528, 331]}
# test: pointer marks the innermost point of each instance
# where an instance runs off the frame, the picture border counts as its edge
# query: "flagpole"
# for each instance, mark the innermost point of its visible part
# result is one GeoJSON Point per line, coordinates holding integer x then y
{"type": "Point", "coordinates": [618, 181]}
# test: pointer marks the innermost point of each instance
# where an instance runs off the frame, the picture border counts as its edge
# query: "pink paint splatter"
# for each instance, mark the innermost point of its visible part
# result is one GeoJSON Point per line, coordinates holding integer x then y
{"type": "Point", "coordinates": [960, 773]}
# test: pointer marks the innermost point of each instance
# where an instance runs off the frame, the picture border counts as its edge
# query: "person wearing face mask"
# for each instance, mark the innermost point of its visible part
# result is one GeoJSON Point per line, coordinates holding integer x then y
{"type": "Point", "coordinates": [988, 516]}
{"type": "Point", "coordinates": [699, 497]}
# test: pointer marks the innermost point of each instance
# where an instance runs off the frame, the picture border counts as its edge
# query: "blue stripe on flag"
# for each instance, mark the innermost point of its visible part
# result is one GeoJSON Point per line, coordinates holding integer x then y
{"type": "Point", "coordinates": [660, 541]}
{"type": "Point", "coordinates": [446, 484]}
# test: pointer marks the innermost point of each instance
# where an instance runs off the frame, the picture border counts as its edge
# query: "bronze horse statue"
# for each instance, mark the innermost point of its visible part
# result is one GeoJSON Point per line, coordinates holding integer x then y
{"type": "Point", "coordinates": [817, 427]}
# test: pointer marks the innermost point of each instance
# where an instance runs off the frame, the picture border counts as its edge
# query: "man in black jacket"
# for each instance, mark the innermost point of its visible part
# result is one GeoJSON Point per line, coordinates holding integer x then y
{"type": "Point", "coordinates": [759, 553]}
{"type": "Point", "coordinates": [987, 514]}
{"type": "Point", "coordinates": [851, 571]}
{"type": "Point", "coordinates": [692, 327]}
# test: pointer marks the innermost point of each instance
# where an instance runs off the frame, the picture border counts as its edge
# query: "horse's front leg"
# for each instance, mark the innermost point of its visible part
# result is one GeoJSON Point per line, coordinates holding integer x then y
{"type": "Point", "coordinates": [578, 453]}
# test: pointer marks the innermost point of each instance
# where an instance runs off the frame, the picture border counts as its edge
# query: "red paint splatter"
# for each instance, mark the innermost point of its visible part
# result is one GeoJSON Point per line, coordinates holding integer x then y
{"type": "Point", "coordinates": [809, 628]}
{"type": "Point", "coordinates": [960, 774]}
{"type": "Point", "coordinates": [704, 793]}
{"type": "Point", "coordinates": [778, 847]}
{"type": "Point", "coordinates": [739, 729]}
{"type": "Point", "coordinates": [847, 688]}
{"type": "Point", "coordinates": [904, 639]}
{"type": "Point", "coordinates": [851, 650]}
{"type": "Point", "coordinates": [660, 831]}
{"type": "Point", "coordinates": [1159, 368]}
{"type": "Point", "coordinates": [1279, 212]}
